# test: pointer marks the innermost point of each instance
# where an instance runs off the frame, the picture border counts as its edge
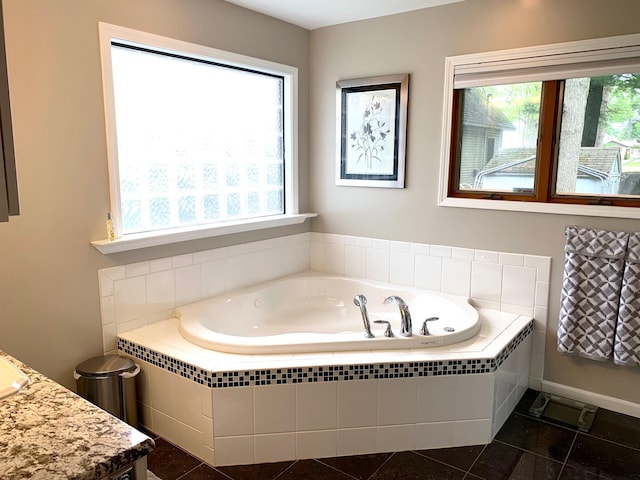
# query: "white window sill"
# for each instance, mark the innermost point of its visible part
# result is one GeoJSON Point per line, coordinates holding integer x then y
{"type": "Point", "coordinates": [165, 237]}
{"type": "Point", "coordinates": [535, 207]}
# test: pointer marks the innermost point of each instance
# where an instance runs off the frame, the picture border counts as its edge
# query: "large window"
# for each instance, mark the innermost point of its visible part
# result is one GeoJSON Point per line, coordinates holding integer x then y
{"type": "Point", "coordinates": [196, 136]}
{"type": "Point", "coordinates": [555, 125]}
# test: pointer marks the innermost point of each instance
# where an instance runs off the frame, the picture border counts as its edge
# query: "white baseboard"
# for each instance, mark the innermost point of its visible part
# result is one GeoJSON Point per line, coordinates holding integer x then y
{"type": "Point", "coordinates": [610, 403]}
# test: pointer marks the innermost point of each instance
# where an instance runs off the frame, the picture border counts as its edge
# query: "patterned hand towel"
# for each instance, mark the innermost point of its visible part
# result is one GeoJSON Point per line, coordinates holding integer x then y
{"type": "Point", "coordinates": [594, 263]}
{"type": "Point", "coordinates": [626, 350]}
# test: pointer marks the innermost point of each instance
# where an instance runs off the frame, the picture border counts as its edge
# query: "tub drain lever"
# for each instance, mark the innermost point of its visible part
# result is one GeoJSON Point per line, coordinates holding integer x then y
{"type": "Point", "coordinates": [388, 332]}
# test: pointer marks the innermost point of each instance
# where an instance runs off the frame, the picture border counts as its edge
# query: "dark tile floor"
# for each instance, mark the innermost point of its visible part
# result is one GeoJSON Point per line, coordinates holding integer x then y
{"type": "Point", "coordinates": [525, 449]}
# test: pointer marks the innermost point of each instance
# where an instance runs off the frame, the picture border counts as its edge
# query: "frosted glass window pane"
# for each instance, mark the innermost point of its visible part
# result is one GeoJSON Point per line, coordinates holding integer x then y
{"type": "Point", "coordinates": [158, 178]}
{"type": "Point", "coordinates": [274, 174]}
{"type": "Point", "coordinates": [209, 177]}
{"type": "Point", "coordinates": [233, 205]}
{"type": "Point", "coordinates": [187, 209]}
{"type": "Point", "coordinates": [160, 211]}
{"type": "Point", "coordinates": [192, 133]}
{"type": "Point", "coordinates": [211, 207]}
{"type": "Point", "coordinates": [132, 218]}
{"type": "Point", "coordinates": [186, 177]}
{"type": "Point", "coordinates": [253, 200]}
{"type": "Point", "coordinates": [275, 201]}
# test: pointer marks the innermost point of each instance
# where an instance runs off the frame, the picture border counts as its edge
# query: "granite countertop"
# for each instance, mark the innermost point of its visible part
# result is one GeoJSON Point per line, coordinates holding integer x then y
{"type": "Point", "coordinates": [48, 432]}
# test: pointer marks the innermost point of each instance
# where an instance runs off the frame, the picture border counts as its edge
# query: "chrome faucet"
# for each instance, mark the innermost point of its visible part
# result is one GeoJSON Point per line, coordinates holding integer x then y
{"type": "Point", "coordinates": [405, 316]}
{"type": "Point", "coordinates": [361, 301]}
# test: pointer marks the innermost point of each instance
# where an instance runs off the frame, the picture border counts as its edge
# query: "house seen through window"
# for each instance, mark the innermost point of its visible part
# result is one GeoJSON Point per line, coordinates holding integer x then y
{"type": "Point", "coordinates": [200, 139]}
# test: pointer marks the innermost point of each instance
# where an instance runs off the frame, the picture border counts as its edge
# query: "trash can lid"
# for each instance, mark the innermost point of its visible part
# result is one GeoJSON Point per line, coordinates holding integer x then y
{"type": "Point", "coordinates": [107, 365]}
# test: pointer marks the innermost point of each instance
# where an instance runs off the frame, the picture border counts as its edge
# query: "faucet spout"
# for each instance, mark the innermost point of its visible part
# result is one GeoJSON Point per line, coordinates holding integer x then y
{"type": "Point", "coordinates": [361, 301]}
{"type": "Point", "coordinates": [405, 316]}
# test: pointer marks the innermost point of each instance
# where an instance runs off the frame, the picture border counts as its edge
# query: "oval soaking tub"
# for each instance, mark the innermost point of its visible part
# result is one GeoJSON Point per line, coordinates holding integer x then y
{"type": "Point", "coordinates": [316, 313]}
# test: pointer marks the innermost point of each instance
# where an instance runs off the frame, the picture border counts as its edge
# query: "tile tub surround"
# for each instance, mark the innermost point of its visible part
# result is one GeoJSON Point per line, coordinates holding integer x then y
{"type": "Point", "coordinates": [50, 433]}
{"type": "Point", "coordinates": [240, 409]}
{"type": "Point", "coordinates": [139, 294]}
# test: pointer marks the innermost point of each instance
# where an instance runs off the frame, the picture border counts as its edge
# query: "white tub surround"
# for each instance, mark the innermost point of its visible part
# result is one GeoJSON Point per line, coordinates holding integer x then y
{"type": "Point", "coordinates": [139, 294]}
{"type": "Point", "coordinates": [236, 409]}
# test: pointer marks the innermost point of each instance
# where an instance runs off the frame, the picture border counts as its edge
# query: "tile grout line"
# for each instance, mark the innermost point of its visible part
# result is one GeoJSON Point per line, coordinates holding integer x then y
{"type": "Point", "coordinates": [334, 468]}
{"type": "Point", "coordinates": [564, 464]}
{"type": "Point", "coordinates": [383, 464]}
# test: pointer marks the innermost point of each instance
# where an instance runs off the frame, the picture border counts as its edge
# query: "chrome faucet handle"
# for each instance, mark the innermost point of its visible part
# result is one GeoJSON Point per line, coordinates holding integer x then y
{"type": "Point", "coordinates": [388, 332]}
{"type": "Point", "coordinates": [361, 301]}
{"type": "Point", "coordinates": [424, 330]}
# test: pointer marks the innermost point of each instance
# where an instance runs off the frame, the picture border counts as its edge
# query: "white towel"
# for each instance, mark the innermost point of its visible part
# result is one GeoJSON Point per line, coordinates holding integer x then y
{"type": "Point", "coordinates": [626, 349]}
{"type": "Point", "coordinates": [594, 263]}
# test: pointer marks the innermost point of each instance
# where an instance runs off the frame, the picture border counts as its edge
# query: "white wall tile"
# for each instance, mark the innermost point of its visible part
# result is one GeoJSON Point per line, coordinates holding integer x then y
{"type": "Point", "coordinates": [397, 401]}
{"type": "Point", "coordinates": [357, 403]}
{"type": "Point", "coordinates": [355, 261]}
{"type": "Point", "coordinates": [542, 264]}
{"type": "Point", "coordinates": [334, 255]}
{"type": "Point", "coordinates": [471, 432]}
{"type": "Point", "coordinates": [109, 341]}
{"type": "Point", "coordinates": [257, 266]}
{"type": "Point", "coordinates": [162, 388]}
{"type": "Point", "coordinates": [190, 439]}
{"type": "Point", "coordinates": [428, 272]}
{"type": "Point", "coordinates": [136, 269]}
{"type": "Point", "coordinates": [161, 293]}
{"type": "Point", "coordinates": [105, 284]}
{"type": "Point", "coordinates": [540, 316]}
{"type": "Point", "coordinates": [434, 435]}
{"type": "Point", "coordinates": [108, 310]}
{"type": "Point", "coordinates": [188, 284]}
{"type": "Point", "coordinates": [511, 259]}
{"type": "Point", "coordinates": [401, 268]}
{"type": "Point", "coordinates": [274, 408]}
{"type": "Point", "coordinates": [462, 253]}
{"type": "Point", "coordinates": [233, 412]}
{"type": "Point", "coordinates": [165, 426]}
{"type": "Point", "coordinates": [316, 256]}
{"type": "Point", "coordinates": [456, 276]}
{"type": "Point", "coordinates": [316, 406]}
{"type": "Point", "coordinates": [542, 294]}
{"type": "Point", "coordinates": [212, 278]}
{"type": "Point", "coordinates": [234, 273]}
{"type": "Point", "coordinates": [275, 447]}
{"type": "Point", "coordinates": [487, 256]}
{"type": "Point", "coordinates": [234, 450]}
{"type": "Point", "coordinates": [400, 246]}
{"type": "Point", "coordinates": [160, 265]}
{"type": "Point", "coordinates": [189, 399]}
{"type": "Point", "coordinates": [486, 281]}
{"type": "Point", "coordinates": [420, 249]}
{"type": "Point", "coordinates": [396, 438]}
{"type": "Point", "coordinates": [440, 251]}
{"type": "Point", "coordinates": [357, 441]}
{"type": "Point", "coordinates": [378, 265]}
{"type": "Point", "coordinates": [317, 444]}
{"type": "Point", "coordinates": [519, 286]}
{"type": "Point", "coordinates": [182, 260]}
{"type": "Point", "coordinates": [130, 298]}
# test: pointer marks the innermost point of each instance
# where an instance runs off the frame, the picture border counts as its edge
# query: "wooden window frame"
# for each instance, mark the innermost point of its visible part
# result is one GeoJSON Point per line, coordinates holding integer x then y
{"type": "Point", "coordinates": [539, 63]}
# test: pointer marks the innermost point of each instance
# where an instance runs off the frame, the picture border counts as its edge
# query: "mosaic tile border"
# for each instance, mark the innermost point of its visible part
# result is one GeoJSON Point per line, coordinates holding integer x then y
{"type": "Point", "coordinates": [328, 373]}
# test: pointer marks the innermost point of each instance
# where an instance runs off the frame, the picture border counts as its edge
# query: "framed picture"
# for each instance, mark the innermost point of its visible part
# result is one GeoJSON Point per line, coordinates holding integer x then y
{"type": "Point", "coordinates": [371, 131]}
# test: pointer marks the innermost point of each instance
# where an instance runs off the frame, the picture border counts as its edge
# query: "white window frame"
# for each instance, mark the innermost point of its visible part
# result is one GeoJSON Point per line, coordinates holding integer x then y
{"type": "Point", "coordinates": [109, 33]}
{"type": "Point", "coordinates": [563, 60]}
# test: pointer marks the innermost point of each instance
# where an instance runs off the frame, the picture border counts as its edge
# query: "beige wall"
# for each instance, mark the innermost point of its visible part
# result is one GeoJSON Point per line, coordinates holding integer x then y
{"type": "Point", "coordinates": [49, 300]}
{"type": "Point", "coordinates": [417, 43]}
{"type": "Point", "coordinates": [48, 281]}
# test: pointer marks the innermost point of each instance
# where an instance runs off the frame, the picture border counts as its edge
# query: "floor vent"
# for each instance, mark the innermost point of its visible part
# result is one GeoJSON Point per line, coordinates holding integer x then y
{"type": "Point", "coordinates": [563, 411]}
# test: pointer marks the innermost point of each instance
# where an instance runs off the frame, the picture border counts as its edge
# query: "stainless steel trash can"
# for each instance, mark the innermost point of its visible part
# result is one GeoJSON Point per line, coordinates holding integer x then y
{"type": "Point", "coordinates": [109, 382]}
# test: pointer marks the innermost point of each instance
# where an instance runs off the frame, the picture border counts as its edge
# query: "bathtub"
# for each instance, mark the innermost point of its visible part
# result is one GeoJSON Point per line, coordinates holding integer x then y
{"type": "Point", "coordinates": [316, 313]}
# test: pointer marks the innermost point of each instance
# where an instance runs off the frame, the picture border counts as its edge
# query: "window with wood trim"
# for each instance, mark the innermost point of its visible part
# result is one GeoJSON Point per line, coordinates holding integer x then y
{"type": "Point", "coordinates": [557, 124]}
